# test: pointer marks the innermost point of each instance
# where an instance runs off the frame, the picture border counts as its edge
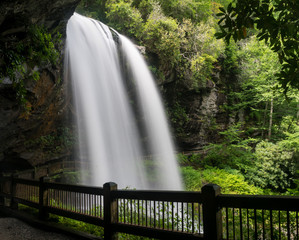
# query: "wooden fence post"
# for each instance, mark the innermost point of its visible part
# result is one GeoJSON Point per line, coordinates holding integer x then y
{"type": "Point", "coordinates": [13, 189]}
{"type": "Point", "coordinates": [43, 200]}
{"type": "Point", "coordinates": [1, 188]}
{"type": "Point", "coordinates": [33, 174]}
{"type": "Point", "coordinates": [212, 215]}
{"type": "Point", "coordinates": [110, 211]}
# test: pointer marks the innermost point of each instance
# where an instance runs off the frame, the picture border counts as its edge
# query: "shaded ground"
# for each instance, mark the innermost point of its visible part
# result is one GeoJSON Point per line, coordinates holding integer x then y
{"type": "Point", "coordinates": [14, 229]}
{"type": "Point", "coordinates": [18, 225]}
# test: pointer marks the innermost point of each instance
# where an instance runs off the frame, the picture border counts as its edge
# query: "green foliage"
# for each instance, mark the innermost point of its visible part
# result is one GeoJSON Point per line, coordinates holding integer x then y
{"type": "Point", "coordinates": [256, 70]}
{"type": "Point", "coordinates": [295, 191]}
{"type": "Point", "coordinates": [233, 151]}
{"type": "Point", "coordinates": [275, 166]}
{"type": "Point", "coordinates": [291, 142]}
{"type": "Point", "coordinates": [19, 60]}
{"type": "Point", "coordinates": [192, 178]}
{"type": "Point", "coordinates": [191, 160]}
{"type": "Point", "coordinates": [56, 142]}
{"type": "Point", "coordinates": [124, 236]}
{"type": "Point", "coordinates": [258, 63]}
{"type": "Point", "coordinates": [202, 68]}
{"type": "Point", "coordinates": [230, 62]}
{"type": "Point", "coordinates": [78, 225]}
{"type": "Point", "coordinates": [93, 229]}
{"type": "Point", "coordinates": [178, 117]}
{"type": "Point", "coordinates": [124, 18]}
{"type": "Point", "coordinates": [72, 177]}
{"type": "Point", "coordinates": [277, 21]}
{"type": "Point", "coordinates": [182, 159]}
{"type": "Point", "coordinates": [144, 6]}
{"type": "Point", "coordinates": [256, 87]}
{"type": "Point", "coordinates": [42, 49]}
{"type": "Point", "coordinates": [268, 165]}
{"type": "Point", "coordinates": [187, 9]}
{"type": "Point", "coordinates": [156, 73]}
{"type": "Point", "coordinates": [162, 38]}
{"type": "Point", "coordinates": [93, 8]}
{"type": "Point", "coordinates": [230, 181]}
{"type": "Point", "coordinates": [199, 52]}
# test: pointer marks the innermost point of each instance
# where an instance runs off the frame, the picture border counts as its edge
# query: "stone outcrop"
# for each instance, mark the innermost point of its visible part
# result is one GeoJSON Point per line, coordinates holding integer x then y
{"type": "Point", "coordinates": [204, 120]}
{"type": "Point", "coordinates": [25, 137]}
{"type": "Point", "coordinates": [15, 15]}
{"type": "Point", "coordinates": [198, 115]}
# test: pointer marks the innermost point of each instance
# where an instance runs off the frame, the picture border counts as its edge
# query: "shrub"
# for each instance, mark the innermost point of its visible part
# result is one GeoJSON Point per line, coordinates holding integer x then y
{"type": "Point", "coordinates": [275, 166]}
{"type": "Point", "coordinates": [192, 179]}
{"type": "Point", "coordinates": [233, 152]}
{"type": "Point", "coordinates": [230, 181]}
{"type": "Point", "coordinates": [125, 18]}
{"type": "Point", "coordinates": [162, 38]}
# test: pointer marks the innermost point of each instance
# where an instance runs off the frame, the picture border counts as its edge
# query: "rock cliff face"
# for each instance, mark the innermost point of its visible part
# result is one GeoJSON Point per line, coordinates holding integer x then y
{"type": "Point", "coordinates": [16, 15]}
{"type": "Point", "coordinates": [197, 115]}
{"type": "Point", "coordinates": [25, 136]}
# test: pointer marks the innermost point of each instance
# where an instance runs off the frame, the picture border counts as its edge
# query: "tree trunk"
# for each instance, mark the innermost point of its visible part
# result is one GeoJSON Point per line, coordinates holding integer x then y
{"type": "Point", "coordinates": [270, 119]}
{"type": "Point", "coordinates": [264, 120]}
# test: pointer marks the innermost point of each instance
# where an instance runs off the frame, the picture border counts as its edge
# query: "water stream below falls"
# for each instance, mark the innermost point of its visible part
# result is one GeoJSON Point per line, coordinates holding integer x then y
{"type": "Point", "coordinates": [120, 115]}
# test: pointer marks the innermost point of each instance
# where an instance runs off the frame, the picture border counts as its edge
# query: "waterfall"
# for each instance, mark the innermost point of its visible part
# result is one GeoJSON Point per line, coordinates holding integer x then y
{"type": "Point", "coordinates": [119, 112]}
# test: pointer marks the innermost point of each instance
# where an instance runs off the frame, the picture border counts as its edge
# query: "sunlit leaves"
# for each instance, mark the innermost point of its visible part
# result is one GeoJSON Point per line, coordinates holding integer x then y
{"type": "Point", "coordinates": [199, 51]}
{"type": "Point", "coordinates": [125, 18]}
{"type": "Point", "coordinates": [162, 37]}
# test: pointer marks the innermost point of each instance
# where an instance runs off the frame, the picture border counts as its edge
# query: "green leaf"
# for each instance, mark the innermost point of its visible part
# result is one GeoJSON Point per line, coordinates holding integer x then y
{"type": "Point", "coordinates": [221, 20]}
{"type": "Point", "coordinates": [220, 35]}
{"type": "Point", "coordinates": [222, 9]}
{"type": "Point", "coordinates": [229, 7]}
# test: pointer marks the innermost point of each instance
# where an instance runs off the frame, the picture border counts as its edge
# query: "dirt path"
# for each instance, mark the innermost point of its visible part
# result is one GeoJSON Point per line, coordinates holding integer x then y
{"type": "Point", "coordinates": [14, 229]}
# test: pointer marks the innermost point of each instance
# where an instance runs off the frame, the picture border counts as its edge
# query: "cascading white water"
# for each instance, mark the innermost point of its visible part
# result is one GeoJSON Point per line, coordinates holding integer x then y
{"type": "Point", "coordinates": [109, 136]}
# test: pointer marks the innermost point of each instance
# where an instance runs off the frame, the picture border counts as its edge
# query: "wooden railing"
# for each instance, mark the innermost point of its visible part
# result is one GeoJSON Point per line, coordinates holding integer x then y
{"type": "Point", "coordinates": [260, 217]}
{"type": "Point", "coordinates": [159, 214]}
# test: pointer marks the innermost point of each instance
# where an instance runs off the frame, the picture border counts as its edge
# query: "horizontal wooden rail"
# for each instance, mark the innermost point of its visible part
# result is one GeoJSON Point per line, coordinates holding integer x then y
{"type": "Point", "coordinates": [4, 178]}
{"type": "Point", "coordinates": [76, 216]}
{"type": "Point", "coordinates": [26, 202]}
{"type": "Point", "coordinates": [155, 233]}
{"type": "Point", "coordinates": [6, 195]}
{"type": "Point", "coordinates": [270, 202]}
{"type": "Point", "coordinates": [29, 182]}
{"type": "Point", "coordinates": [74, 188]}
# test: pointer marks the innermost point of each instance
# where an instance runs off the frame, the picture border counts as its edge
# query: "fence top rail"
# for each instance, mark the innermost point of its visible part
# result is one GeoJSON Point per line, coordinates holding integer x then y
{"type": "Point", "coordinates": [24, 181]}
{"type": "Point", "coordinates": [74, 188]}
{"type": "Point", "coordinates": [4, 178]}
{"type": "Point", "coordinates": [283, 203]}
{"type": "Point", "coordinates": [167, 196]}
